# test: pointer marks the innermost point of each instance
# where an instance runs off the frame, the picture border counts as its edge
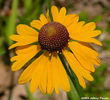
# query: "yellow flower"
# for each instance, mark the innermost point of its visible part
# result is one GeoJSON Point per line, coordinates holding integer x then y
{"type": "Point", "coordinates": [46, 72]}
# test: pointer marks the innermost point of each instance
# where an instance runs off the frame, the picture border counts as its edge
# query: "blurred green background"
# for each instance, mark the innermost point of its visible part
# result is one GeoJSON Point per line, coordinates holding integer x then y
{"type": "Point", "coordinates": [13, 12]}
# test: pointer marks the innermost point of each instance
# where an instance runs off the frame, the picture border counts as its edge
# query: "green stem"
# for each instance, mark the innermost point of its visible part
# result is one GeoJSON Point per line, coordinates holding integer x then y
{"type": "Point", "coordinates": [73, 95]}
{"type": "Point", "coordinates": [10, 28]}
{"type": "Point", "coordinates": [27, 6]}
{"type": "Point", "coordinates": [38, 9]}
{"type": "Point", "coordinates": [49, 4]}
{"type": "Point", "coordinates": [72, 77]}
{"type": "Point", "coordinates": [30, 96]}
{"type": "Point", "coordinates": [49, 7]}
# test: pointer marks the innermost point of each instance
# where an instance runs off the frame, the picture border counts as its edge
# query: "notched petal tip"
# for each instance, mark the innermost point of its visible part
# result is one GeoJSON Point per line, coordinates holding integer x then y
{"type": "Point", "coordinates": [54, 7]}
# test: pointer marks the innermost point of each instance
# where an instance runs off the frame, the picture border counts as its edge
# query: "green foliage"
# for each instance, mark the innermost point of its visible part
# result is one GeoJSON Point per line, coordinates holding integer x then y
{"type": "Point", "coordinates": [95, 88]}
{"type": "Point", "coordinates": [108, 27]}
{"type": "Point", "coordinates": [107, 44]}
{"type": "Point", "coordinates": [30, 95]}
{"type": "Point", "coordinates": [83, 16]}
{"type": "Point", "coordinates": [27, 6]}
{"type": "Point", "coordinates": [2, 49]}
{"type": "Point", "coordinates": [11, 22]}
{"type": "Point", "coordinates": [1, 2]}
{"type": "Point", "coordinates": [73, 95]}
{"type": "Point", "coordinates": [97, 19]}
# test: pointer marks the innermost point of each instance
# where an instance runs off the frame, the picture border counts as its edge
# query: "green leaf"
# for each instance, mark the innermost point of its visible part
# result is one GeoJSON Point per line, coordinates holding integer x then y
{"type": "Point", "coordinates": [100, 69]}
{"type": "Point", "coordinates": [107, 44]}
{"type": "Point", "coordinates": [97, 19]}
{"type": "Point", "coordinates": [73, 78]}
{"type": "Point", "coordinates": [30, 96]}
{"type": "Point", "coordinates": [73, 95]}
{"type": "Point", "coordinates": [83, 16]}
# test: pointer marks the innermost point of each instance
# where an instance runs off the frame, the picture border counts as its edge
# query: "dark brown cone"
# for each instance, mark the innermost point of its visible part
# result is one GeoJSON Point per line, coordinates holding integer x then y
{"type": "Point", "coordinates": [53, 36]}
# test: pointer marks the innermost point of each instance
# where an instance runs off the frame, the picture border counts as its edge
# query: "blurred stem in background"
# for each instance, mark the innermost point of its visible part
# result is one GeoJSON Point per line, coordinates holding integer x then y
{"type": "Point", "coordinates": [30, 96]}
{"type": "Point", "coordinates": [11, 23]}
{"type": "Point", "coordinates": [49, 4]}
{"type": "Point", "coordinates": [38, 9]}
{"type": "Point", "coordinates": [10, 29]}
{"type": "Point", "coordinates": [27, 6]}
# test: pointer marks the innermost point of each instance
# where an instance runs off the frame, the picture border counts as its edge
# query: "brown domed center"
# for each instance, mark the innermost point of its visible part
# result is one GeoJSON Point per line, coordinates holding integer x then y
{"type": "Point", "coordinates": [53, 36]}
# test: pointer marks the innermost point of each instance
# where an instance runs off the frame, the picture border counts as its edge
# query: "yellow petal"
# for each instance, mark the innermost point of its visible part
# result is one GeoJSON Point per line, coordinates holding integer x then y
{"type": "Point", "coordinates": [62, 12]}
{"type": "Point", "coordinates": [89, 26]}
{"type": "Point", "coordinates": [92, 40]}
{"type": "Point", "coordinates": [88, 52]}
{"type": "Point", "coordinates": [92, 33]}
{"type": "Point", "coordinates": [28, 72]}
{"type": "Point", "coordinates": [56, 79]}
{"type": "Point", "coordinates": [13, 46]}
{"type": "Point", "coordinates": [43, 19]}
{"type": "Point", "coordinates": [48, 17]}
{"type": "Point", "coordinates": [76, 67]}
{"type": "Point", "coordinates": [54, 11]}
{"type": "Point", "coordinates": [58, 16]}
{"type": "Point", "coordinates": [80, 55]}
{"type": "Point", "coordinates": [60, 78]}
{"type": "Point", "coordinates": [36, 24]}
{"type": "Point", "coordinates": [43, 80]}
{"type": "Point", "coordinates": [37, 76]}
{"type": "Point", "coordinates": [27, 48]}
{"type": "Point", "coordinates": [22, 59]}
{"type": "Point", "coordinates": [50, 87]}
{"type": "Point", "coordinates": [22, 40]}
{"type": "Point", "coordinates": [69, 19]}
{"type": "Point", "coordinates": [65, 85]}
{"type": "Point", "coordinates": [84, 32]}
{"type": "Point", "coordinates": [26, 30]}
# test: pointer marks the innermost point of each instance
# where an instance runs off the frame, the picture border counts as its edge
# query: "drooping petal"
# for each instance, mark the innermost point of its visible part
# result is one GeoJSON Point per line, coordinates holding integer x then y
{"type": "Point", "coordinates": [60, 78]}
{"type": "Point", "coordinates": [37, 76]}
{"type": "Point", "coordinates": [79, 50]}
{"type": "Point", "coordinates": [77, 68]}
{"type": "Point", "coordinates": [64, 77]}
{"type": "Point", "coordinates": [50, 81]}
{"type": "Point", "coordinates": [22, 58]}
{"type": "Point", "coordinates": [28, 72]}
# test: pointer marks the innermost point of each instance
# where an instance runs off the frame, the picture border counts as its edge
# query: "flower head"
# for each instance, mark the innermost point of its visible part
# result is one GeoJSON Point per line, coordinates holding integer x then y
{"type": "Point", "coordinates": [46, 72]}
